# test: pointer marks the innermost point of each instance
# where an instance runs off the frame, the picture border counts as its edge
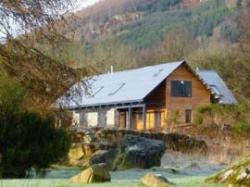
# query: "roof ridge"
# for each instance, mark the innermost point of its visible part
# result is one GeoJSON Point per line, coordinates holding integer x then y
{"type": "Point", "coordinates": [139, 68]}
{"type": "Point", "coordinates": [206, 70]}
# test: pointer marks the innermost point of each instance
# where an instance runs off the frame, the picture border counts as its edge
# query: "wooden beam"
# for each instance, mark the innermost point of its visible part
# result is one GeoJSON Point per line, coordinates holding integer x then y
{"type": "Point", "coordinates": [129, 122]}
{"type": "Point", "coordinates": [130, 106]}
{"type": "Point", "coordinates": [144, 113]}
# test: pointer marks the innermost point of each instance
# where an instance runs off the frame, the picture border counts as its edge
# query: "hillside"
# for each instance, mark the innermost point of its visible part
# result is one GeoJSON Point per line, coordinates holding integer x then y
{"type": "Point", "coordinates": [144, 23]}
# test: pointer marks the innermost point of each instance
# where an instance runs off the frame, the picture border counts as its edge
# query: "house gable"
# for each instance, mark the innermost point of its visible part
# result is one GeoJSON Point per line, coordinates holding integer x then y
{"type": "Point", "coordinates": [179, 105]}
{"type": "Point", "coordinates": [185, 73]}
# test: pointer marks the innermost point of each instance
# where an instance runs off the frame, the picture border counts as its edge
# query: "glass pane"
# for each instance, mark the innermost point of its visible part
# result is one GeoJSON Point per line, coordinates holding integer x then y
{"type": "Point", "coordinates": [188, 116]}
{"type": "Point", "coordinates": [181, 88]}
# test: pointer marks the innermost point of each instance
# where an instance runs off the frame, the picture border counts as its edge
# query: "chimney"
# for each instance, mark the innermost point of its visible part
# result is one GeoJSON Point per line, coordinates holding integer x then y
{"type": "Point", "coordinates": [111, 69]}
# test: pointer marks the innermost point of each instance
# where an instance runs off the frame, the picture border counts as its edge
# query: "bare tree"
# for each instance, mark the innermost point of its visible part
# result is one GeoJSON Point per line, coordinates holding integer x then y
{"type": "Point", "coordinates": [176, 45]}
{"type": "Point", "coordinates": [25, 26]}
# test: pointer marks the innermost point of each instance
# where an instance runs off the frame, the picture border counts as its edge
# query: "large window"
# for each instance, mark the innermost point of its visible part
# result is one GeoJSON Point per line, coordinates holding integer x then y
{"type": "Point", "coordinates": [181, 88]}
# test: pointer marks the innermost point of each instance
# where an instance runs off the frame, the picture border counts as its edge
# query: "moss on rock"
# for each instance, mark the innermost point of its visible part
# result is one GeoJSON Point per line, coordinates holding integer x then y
{"type": "Point", "coordinates": [153, 180]}
{"type": "Point", "coordinates": [237, 174]}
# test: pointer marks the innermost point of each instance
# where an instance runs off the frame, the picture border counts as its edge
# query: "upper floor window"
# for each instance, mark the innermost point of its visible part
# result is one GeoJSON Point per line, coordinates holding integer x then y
{"type": "Point", "coordinates": [181, 88]}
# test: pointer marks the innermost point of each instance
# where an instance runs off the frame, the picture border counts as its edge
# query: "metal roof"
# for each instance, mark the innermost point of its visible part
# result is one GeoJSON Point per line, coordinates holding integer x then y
{"type": "Point", "coordinates": [119, 87]}
{"type": "Point", "coordinates": [217, 86]}
{"type": "Point", "coordinates": [133, 86]}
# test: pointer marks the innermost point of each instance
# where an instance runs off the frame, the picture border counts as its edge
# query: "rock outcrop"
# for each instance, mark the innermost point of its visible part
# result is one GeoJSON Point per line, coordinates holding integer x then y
{"type": "Point", "coordinates": [104, 156]}
{"type": "Point", "coordinates": [153, 180]}
{"type": "Point", "coordinates": [79, 153]}
{"type": "Point", "coordinates": [174, 141]}
{"type": "Point", "coordinates": [139, 152]}
{"type": "Point", "coordinates": [238, 174]}
{"type": "Point", "coordinates": [100, 145]}
{"type": "Point", "coordinates": [94, 174]}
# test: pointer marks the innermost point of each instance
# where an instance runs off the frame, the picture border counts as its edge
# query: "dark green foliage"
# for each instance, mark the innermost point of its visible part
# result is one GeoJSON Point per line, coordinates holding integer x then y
{"type": "Point", "coordinates": [27, 139]}
{"type": "Point", "coordinates": [155, 5]}
{"type": "Point", "coordinates": [158, 22]}
{"type": "Point", "coordinates": [230, 33]}
{"type": "Point", "coordinates": [166, 4]}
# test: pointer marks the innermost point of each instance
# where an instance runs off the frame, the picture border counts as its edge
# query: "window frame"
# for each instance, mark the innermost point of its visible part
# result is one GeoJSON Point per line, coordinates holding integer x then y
{"type": "Point", "coordinates": [182, 90]}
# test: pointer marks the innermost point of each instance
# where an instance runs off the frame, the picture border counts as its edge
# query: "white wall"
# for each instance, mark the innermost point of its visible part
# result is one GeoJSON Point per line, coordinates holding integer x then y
{"type": "Point", "coordinates": [92, 119]}
{"type": "Point", "coordinates": [111, 118]}
{"type": "Point", "coordinates": [75, 118]}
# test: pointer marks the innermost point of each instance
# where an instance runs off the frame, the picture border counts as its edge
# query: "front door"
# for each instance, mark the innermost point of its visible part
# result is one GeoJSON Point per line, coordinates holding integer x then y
{"type": "Point", "coordinates": [122, 120]}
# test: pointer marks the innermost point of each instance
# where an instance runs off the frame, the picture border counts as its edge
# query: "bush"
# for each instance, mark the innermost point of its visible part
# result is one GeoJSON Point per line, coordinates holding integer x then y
{"type": "Point", "coordinates": [236, 116]}
{"type": "Point", "coordinates": [242, 128]}
{"type": "Point", "coordinates": [27, 139]}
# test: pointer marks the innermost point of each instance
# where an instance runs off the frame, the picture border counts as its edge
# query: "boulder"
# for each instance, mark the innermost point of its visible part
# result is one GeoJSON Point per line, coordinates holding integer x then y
{"type": "Point", "coordinates": [167, 170]}
{"type": "Point", "coordinates": [139, 152]}
{"type": "Point", "coordinates": [103, 156]}
{"type": "Point", "coordinates": [93, 174]}
{"type": "Point", "coordinates": [238, 174]}
{"type": "Point", "coordinates": [75, 154]}
{"type": "Point", "coordinates": [154, 180]}
{"type": "Point", "coordinates": [79, 154]}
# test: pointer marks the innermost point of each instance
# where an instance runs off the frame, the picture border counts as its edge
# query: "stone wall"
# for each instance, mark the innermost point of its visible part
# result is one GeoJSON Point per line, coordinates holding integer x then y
{"type": "Point", "coordinates": [112, 137]}
{"type": "Point", "coordinates": [89, 141]}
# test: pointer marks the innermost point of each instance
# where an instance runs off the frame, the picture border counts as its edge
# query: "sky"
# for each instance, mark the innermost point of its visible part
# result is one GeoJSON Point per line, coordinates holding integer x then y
{"type": "Point", "coordinates": [80, 4]}
{"type": "Point", "coordinates": [85, 3]}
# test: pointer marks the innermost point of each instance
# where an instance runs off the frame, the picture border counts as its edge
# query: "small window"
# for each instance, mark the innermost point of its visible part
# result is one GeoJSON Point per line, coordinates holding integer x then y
{"type": "Point", "coordinates": [94, 91]}
{"type": "Point", "coordinates": [188, 116]}
{"type": "Point", "coordinates": [158, 72]}
{"type": "Point", "coordinates": [181, 88]}
{"type": "Point", "coordinates": [117, 89]}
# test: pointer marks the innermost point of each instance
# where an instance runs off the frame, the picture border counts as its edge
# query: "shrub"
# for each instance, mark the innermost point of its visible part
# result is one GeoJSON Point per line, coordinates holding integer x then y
{"type": "Point", "coordinates": [27, 139]}
{"type": "Point", "coordinates": [236, 116]}
{"type": "Point", "coordinates": [242, 128]}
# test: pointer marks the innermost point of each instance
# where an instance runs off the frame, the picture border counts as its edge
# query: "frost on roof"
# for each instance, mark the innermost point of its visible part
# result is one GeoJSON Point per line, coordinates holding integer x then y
{"type": "Point", "coordinates": [218, 86]}
{"type": "Point", "coordinates": [94, 91]}
{"type": "Point", "coordinates": [117, 89]}
{"type": "Point", "coordinates": [158, 72]}
{"type": "Point", "coordinates": [124, 86]}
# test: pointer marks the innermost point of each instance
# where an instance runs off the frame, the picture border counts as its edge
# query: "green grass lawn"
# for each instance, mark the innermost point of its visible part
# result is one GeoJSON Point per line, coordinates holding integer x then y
{"type": "Point", "coordinates": [60, 178]}
{"type": "Point", "coordinates": [181, 182]}
{"type": "Point", "coordinates": [182, 170]}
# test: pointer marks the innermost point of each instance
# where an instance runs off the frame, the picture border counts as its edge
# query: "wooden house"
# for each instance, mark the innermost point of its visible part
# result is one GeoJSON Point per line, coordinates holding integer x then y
{"type": "Point", "coordinates": [154, 97]}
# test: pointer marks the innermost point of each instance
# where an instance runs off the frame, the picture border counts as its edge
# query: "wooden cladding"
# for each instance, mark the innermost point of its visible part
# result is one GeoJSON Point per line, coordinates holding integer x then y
{"type": "Point", "coordinates": [200, 96]}
{"type": "Point", "coordinates": [172, 103]}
